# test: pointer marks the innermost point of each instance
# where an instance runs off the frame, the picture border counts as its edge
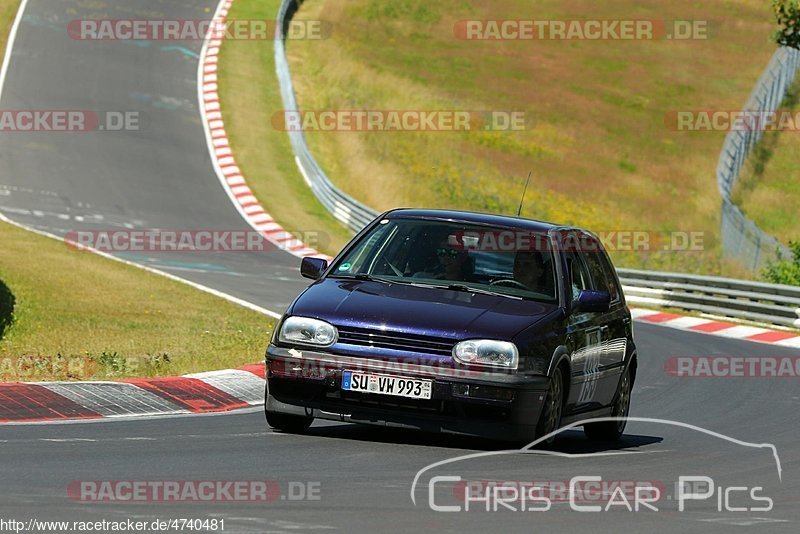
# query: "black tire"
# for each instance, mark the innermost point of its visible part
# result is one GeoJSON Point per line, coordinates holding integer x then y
{"type": "Point", "coordinates": [613, 430]}
{"type": "Point", "coordinates": [291, 424]}
{"type": "Point", "coordinates": [550, 418]}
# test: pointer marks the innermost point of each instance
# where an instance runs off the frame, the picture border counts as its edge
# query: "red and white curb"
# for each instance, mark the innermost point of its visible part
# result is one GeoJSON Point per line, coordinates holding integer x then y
{"type": "Point", "coordinates": [718, 328]}
{"type": "Point", "coordinates": [216, 391]}
{"type": "Point", "coordinates": [223, 160]}
{"type": "Point", "coordinates": [222, 391]}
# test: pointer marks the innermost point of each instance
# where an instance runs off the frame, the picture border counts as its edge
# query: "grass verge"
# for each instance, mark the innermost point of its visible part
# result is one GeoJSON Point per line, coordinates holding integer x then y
{"type": "Point", "coordinates": [767, 190]}
{"type": "Point", "coordinates": [80, 316]}
{"type": "Point", "coordinates": [8, 10]}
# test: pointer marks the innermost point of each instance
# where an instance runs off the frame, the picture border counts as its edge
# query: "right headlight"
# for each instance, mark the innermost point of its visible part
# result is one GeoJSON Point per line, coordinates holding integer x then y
{"type": "Point", "coordinates": [487, 352]}
{"type": "Point", "coordinates": [308, 331]}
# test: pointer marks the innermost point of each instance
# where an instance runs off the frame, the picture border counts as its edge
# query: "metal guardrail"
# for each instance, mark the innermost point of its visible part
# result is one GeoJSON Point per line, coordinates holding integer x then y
{"type": "Point", "coordinates": [741, 237]}
{"type": "Point", "coordinates": [342, 206]}
{"type": "Point", "coordinates": [737, 299]}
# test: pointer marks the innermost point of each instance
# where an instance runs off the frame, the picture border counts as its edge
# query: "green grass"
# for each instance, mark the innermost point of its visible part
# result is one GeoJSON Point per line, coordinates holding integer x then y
{"type": "Point", "coordinates": [8, 10]}
{"type": "Point", "coordinates": [599, 149]}
{"type": "Point", "coordinates": [768, 190]}
{"type": "Point", "coordinates": [103, 319]}
{"type": "Point", "coordinates": [250, 97]}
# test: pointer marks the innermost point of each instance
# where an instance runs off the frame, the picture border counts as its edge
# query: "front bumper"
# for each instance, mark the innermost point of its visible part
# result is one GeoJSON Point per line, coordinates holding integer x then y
{"type": "Point", "coordinates": [497, 405]}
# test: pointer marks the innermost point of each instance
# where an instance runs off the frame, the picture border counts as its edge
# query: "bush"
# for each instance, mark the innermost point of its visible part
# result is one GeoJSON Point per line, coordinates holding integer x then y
{"type": "Point", "coordinates": [7, 301]}
{"type": "Point", "coordinates": [787, 13]}
{"type": "Point", "coordinates": [113, 363]}
{"type": "Point", "coordinates": [785, 271]}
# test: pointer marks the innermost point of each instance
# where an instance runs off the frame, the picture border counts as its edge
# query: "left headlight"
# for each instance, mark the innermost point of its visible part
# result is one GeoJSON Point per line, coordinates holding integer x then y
{"type": "Point", "coordinates": [487, 352]}
{"type": "Point", "coordinates": [308, 331]}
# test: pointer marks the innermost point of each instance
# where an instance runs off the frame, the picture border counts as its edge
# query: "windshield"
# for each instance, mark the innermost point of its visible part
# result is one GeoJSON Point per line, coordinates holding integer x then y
{"type": "Point", "coordinates": [514, 263]}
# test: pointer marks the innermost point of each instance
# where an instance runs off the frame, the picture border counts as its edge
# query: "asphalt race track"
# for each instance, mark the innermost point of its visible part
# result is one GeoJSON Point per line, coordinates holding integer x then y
{"type": "Point", "coordinates": [359, 478]}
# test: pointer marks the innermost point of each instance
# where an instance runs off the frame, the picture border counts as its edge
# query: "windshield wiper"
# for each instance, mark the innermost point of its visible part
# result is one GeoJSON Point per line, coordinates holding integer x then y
{"type": "Point", "coordinates": [453, 287]}
{"type": "Point", "coordinates": [469, 289]}
{"type": "Point", "coordinates": [368, 278]}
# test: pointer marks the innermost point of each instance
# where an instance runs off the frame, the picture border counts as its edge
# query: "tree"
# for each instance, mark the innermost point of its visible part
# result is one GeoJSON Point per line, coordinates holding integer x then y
{"type": "Point", "coordinates": [785, 271]}
{"type": "Point", "coordinates": [787, 13]}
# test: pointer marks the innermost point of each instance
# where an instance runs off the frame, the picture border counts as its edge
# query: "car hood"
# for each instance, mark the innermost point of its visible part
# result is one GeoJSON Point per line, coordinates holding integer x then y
{"type": "Point", "coordinates": [420, 310]}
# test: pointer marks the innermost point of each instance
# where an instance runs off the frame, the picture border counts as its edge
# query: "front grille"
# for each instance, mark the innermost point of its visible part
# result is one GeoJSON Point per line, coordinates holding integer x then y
{"type": "Point", "coordinates": [396, 341]}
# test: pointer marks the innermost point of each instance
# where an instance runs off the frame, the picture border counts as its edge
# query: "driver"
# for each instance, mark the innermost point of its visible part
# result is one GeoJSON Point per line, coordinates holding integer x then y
{"type": "Point", "coordinates": [452, 264]}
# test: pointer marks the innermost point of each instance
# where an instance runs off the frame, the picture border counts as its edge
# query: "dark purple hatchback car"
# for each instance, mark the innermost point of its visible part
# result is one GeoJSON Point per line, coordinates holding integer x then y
{"type": "Point", "coordinates": [457, 322]}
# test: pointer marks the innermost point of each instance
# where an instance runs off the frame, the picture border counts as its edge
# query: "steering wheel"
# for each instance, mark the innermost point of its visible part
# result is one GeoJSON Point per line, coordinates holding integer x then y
{"type": "Point", "coordinates": [507, 281]}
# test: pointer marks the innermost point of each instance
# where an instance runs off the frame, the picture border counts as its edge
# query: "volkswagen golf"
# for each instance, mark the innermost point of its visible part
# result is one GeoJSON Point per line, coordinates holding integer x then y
{"type": "Point", "coordinates": [458, 322]}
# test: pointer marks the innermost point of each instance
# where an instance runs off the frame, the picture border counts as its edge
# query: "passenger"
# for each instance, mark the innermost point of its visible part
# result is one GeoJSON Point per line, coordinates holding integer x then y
{"type": "Point", "coordinates": [531, 271]}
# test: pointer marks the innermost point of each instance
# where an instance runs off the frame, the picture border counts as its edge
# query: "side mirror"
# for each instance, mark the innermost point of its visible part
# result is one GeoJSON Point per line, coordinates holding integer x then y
{"type": "Point", "coordinates": [592, 301]}
{"type": "Point", "coordinates": [313, 268]}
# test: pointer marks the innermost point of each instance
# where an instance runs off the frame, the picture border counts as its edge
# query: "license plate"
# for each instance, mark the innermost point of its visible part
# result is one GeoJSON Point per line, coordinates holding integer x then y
{"type": "Point", "coordinates": [387, 385]}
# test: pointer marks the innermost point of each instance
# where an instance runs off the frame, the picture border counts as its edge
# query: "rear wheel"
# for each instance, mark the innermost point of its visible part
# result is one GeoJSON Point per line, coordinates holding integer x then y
{"type": "Point", "coordinates": [292, 424]}
{"type": "Point", "coordinates": [550, 418]}
{"type": "Point", "coordinates": [612, 430]}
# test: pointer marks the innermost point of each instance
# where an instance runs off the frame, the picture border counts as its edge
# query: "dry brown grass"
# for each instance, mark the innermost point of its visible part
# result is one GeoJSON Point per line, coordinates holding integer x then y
{"type": "Point", "coordinates": [600, 151]}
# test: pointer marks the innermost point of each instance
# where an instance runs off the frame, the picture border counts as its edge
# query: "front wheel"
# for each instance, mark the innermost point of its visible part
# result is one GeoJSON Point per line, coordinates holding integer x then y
{"type": "Point", "coordinates": [285, 422]}
{"type": "Point", "coordinates": [612, 430]}
{"type": "Point", "coordinates": [550, 419]}
{"type": "Point", "coordinates": [292, 424]}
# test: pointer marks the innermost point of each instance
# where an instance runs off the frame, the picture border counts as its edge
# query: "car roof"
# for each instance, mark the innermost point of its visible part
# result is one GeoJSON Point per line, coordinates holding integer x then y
{"type": "Point", "coordinates": [473, 217]}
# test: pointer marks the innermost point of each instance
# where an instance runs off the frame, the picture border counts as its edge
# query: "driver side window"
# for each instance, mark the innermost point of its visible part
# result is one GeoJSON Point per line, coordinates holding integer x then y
{"type": "Point", "coordinates": [579, 275]}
